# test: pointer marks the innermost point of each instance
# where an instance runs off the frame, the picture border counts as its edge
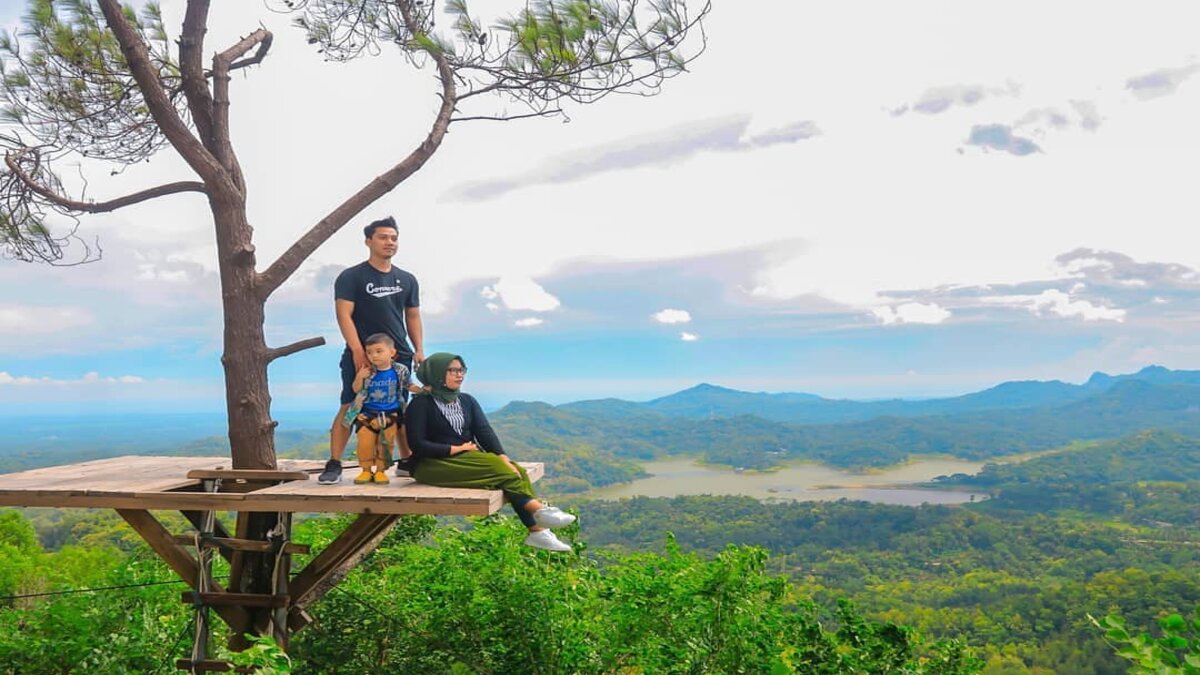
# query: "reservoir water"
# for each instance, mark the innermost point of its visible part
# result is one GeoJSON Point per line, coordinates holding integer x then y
{"type": "Point", "coordinates": [799, 482]}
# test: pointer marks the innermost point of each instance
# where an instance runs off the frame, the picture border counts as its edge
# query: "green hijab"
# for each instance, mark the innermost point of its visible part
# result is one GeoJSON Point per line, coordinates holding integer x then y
{"type": "Point", "coordinates": [432, 373]}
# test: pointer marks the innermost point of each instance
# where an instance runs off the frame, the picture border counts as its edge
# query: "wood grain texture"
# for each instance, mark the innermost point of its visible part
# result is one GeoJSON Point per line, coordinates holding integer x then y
{"type": "Point", "coordinates": [162, 483]}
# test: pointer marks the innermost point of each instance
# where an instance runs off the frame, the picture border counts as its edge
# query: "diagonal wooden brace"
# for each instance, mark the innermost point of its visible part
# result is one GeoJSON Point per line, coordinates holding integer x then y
{"type": "Point", "coordinates": [330, 566]}
{"type": "Point", "coordinates": [179, 560]}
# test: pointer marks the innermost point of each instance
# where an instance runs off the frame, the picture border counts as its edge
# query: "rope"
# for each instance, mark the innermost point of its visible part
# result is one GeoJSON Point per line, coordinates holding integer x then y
{"type": "Point", "coordinates": [92, 590]}
{"type": "Point", "coordinates": [390, 619]}
{"type": "Point", "coordinates": [278, 532]}
{"type": "Point", "coordinates": [167, 665]}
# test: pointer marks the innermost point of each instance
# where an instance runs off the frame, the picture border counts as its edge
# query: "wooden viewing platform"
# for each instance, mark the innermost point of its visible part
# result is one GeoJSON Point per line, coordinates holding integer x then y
{"type": "Point", "coordinates": [263, 596]}
{"type": "Point", "coordinates": [176, 484]}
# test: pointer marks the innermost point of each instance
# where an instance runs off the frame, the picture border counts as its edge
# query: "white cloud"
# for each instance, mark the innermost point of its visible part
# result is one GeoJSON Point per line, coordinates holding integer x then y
{"type": "Point", "coordinates": [152, 272]}
{"type": "Point", "coordinates": [528, 322]}
{"type": "Point", "coordinates": [1159, 300]}
{"type": "Point", "coordinates": [27, 319]}
{"type": "Point", "coordinates": [688, 337]}
{"type": "Point", "coordinates": [1060, 304]}
{"type": "Point", "coordinates": [940, 99]}
{"type": "Point", "coordinates": [87, 379]}
{"type": "Point", "coordinates": [1161, 82]}
{"type": "Point", "coordinates": [672, 316]}
{"type": "Point", "coordinates": [660, 148]}
{"type": "Point", "coordinates": [911, 312]}
{"type": "Point", "coordinates": [521, 293]}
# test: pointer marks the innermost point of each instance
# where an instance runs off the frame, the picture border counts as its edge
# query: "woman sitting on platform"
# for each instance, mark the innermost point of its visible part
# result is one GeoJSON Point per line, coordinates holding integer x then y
{"type": "Point", "coordinates": [454, 446]}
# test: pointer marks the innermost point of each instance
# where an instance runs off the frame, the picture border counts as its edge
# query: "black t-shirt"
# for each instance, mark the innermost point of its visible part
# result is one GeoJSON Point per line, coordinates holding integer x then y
{"type": "Point", "coordinates": [379, 301]}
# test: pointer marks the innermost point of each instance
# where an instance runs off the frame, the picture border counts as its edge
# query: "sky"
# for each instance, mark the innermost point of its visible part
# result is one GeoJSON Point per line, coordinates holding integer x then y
{"type": "Point", "coordinates": [858, 200]}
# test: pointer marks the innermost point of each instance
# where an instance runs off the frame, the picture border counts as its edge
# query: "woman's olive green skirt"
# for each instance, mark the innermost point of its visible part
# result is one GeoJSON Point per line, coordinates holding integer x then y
{"type": "Point", "coordinates": [475, 469]}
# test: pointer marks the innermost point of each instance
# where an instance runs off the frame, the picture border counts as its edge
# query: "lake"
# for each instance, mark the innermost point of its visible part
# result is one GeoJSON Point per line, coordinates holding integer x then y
{"type": "Point", "coordinates": [799, 482]}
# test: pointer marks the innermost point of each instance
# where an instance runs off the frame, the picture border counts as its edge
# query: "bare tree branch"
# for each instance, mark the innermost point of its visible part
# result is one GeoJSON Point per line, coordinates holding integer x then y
{"type": "Point", "coordinates": [299, 346]}
{"type": "Point", "coordinates": [258, 57]}
{"type": "Point", "coordinates": [222, 63]}
{"type": "Point", "coordinates": [508, 118]}
{"type": "Point", "coordinates": [290, 260]}
{"type": "Point", "coordinates": [164, 114]}
{"type": "Point", "coordinates": [100, 207]}
{"type": "Point", "coordinates": [191, 66]}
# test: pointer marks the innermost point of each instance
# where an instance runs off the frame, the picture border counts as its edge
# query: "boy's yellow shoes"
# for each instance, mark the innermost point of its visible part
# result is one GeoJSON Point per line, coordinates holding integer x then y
{"type": "Point", "coordinates": [380, 478]}
{"type": "Point", "coordinates": [364, 477]}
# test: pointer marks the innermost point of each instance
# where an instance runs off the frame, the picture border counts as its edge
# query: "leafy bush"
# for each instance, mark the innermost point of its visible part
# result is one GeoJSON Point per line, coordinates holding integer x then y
{"type": "Point", "coordinates": [1177, 652]}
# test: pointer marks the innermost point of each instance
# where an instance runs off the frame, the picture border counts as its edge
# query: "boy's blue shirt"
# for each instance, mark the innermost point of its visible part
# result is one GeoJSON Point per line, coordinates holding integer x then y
{"type": "Point", "coordinates": [386, 395]}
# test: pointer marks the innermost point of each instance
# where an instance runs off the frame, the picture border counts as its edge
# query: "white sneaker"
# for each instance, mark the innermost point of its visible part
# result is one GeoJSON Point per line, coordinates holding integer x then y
{"type": "Point", "coordinates": [552, 517]}
{"type": "Point", "coordinates": [545, 540]}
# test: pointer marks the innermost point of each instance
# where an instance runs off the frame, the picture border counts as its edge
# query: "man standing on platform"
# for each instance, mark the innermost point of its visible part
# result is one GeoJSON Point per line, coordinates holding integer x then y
{"type": "Point", "coordinates": [373, 297]}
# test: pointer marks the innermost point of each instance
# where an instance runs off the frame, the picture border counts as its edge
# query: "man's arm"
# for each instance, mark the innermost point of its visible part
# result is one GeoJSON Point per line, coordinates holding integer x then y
{"type": "Point", "coordinates": [344, 309]}
{"type": "Point", "coordinates": [360, 380]}
{"type": "Point", "coordinates": [416, 333]}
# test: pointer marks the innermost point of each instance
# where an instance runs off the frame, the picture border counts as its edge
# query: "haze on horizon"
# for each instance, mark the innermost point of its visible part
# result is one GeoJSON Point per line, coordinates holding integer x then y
{"type": "Point", "coordinates": [914, 201]}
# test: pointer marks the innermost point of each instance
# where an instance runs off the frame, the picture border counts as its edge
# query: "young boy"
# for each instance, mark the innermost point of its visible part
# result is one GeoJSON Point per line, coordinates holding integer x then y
{"type": "Point", "coordinates": [378, 411]}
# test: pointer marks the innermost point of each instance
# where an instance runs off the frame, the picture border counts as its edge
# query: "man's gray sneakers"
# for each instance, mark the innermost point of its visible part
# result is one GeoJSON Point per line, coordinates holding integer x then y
{"type": "Point", "coordinates": [332, 473]}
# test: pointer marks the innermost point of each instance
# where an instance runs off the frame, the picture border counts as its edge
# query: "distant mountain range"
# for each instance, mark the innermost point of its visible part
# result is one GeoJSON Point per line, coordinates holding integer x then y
{"type": "Point", "coordinates": [589, 443]}
{"type": "Point", "coordinates": [709, 401]}
{"type": "Point", "coordinates": [758, 430]}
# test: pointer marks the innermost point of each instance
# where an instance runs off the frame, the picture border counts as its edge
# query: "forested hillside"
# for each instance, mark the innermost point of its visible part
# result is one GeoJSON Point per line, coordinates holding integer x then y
{"type": "Point", "coordinates": [1096, 529]}
{"type": "Point", "coordinates": [1127, 406]}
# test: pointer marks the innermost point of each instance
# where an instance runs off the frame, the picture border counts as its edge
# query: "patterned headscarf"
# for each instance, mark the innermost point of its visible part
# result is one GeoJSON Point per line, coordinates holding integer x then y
{"type": "Point", "coordinates": [432, 373]}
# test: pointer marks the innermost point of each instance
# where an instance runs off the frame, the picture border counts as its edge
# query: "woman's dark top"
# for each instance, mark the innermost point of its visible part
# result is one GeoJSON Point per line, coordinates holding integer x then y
{"type": "Point", "coordinates": [430, 435]}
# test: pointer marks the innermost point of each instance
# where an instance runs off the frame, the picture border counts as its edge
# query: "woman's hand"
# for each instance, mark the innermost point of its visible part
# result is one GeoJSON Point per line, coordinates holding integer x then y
{"type": "Point", "coordinates": [465, 447]}
{"type": "Point", "coordinates": [364, 373]}
{"type": "Point", "coordinates": [510, 464]}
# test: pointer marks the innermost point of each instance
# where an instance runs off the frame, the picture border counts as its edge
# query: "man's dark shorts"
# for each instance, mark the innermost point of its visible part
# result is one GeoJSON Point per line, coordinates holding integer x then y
{"type": "Point", "coordinates": [349, 373]}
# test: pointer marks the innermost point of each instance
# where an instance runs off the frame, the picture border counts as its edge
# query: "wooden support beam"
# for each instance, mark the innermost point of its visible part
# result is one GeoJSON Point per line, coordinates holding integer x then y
{"type": "Point", "coordinates": [258, 475]}
{"type": "Point", "coordinates": [298, 619]}
{"type": "Point", "coordinates": [231, 544]}
{"type": "Point", "coordinates": [178, 560]}
{"type": "Point", "coordinates": [237, 599]}
{"type": "Point", "coordinates": [196, 518]}
{"type": "Point", "coordinates": [238, 558]}
{"type": "Point", "coordinates": [335, 562]}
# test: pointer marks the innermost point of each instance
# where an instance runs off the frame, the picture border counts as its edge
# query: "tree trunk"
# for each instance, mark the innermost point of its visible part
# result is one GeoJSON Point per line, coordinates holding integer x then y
{"type": "Point", "coordinates": [247, 397]}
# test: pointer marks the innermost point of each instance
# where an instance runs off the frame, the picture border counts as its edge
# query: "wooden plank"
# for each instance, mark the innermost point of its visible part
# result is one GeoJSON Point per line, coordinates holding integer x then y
{"type": "Point", "coordinates": [401, 496]}
{"type": "Point", "coordinates": [196, 518]}
{"type": "Point", "coordinates": [237, 599]}
{"type": "Point", "coordinates": [487, 502]}
{"type": "Point", "coordinates": [127, 471]}
{"type": "Point", "coordinates": [247, 474]}
{"type": "Point", "coordinates": [238, 544]}
{"type": "Point", "coordinates": [178, 559]}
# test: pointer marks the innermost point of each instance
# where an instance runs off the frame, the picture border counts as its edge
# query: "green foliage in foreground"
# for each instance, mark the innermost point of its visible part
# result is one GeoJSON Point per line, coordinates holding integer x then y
{"type": "Point", "coordinates": [1177, 652]}
{"type": "Point", "coordinates": [480, 601]}
{"type": "Point", "coordinates": [1016, 586]}
{"type": "Point", "coordinates": [450, 601]}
